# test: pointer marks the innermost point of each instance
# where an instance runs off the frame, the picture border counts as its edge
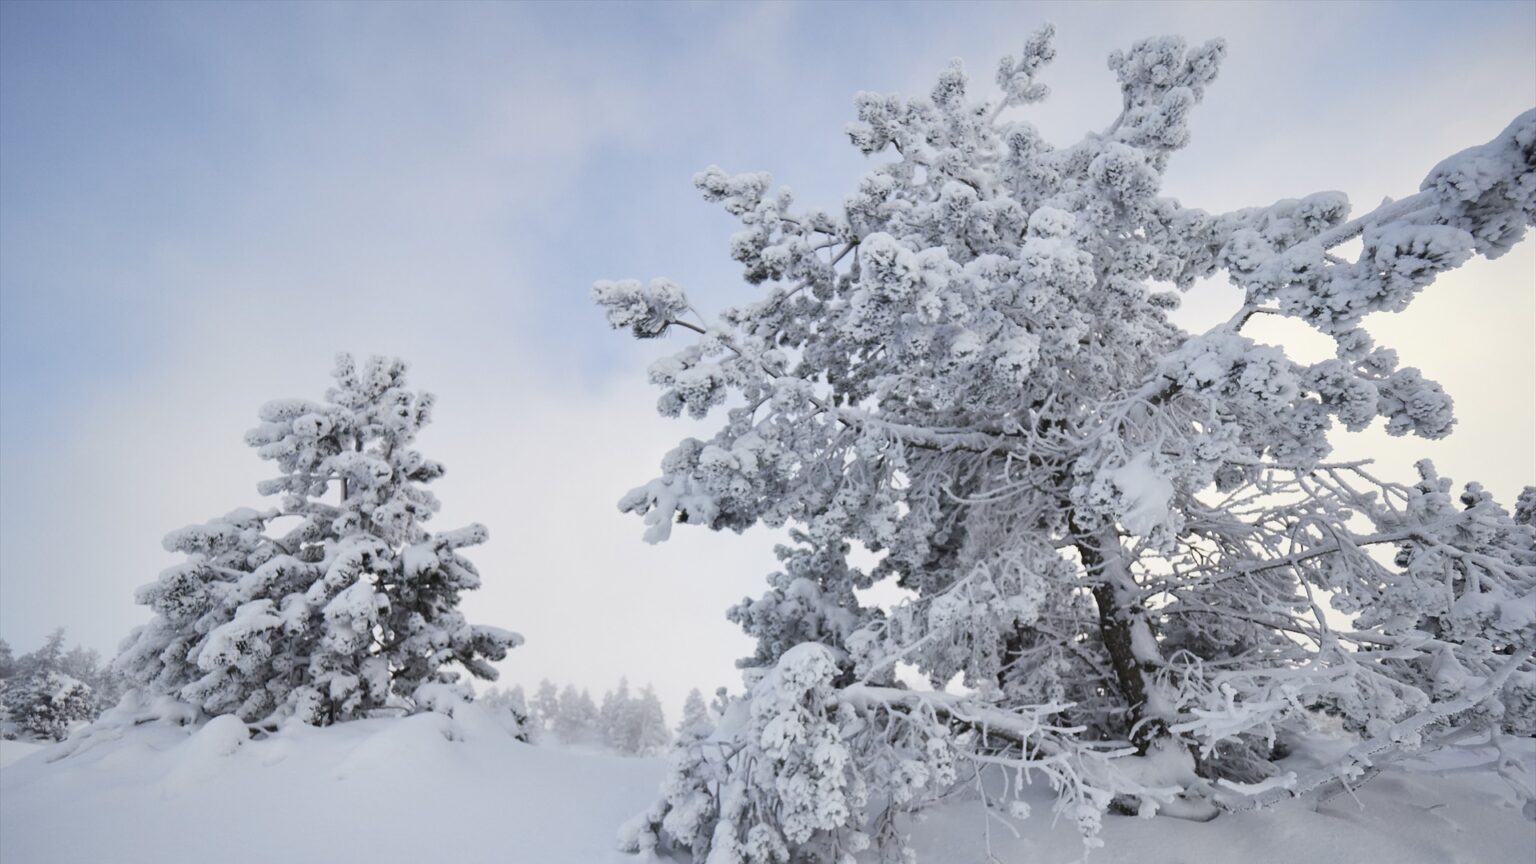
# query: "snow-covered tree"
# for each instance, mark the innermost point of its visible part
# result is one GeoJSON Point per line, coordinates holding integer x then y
{"type": "Point", "coordinates": [546, 706]}
{"type": "Point", "coordinates": [47, 703]}
{"type": "Point", "coordinates": [649, 733]}
{"type": "Point", "coordinates": [7, 661]}
{"type": "Point", "coordinates": [517, 700]}
{"type": "Point", "coordinates": [84, 664]}
{"type": "Point", "coordinates": [511, 699]}
{"type": "Point", "coordinates": [49, 690]}
{"type": "Point", "coordinates": [354, 607]}
{"type": "Point", "coordinates": [626, 724]}
{"type": "Point", "coordinates": [695, 713]}
{"type": "Point", "coordinates": [576, 720]}
{"type": "Point", "coordinates": [512, 705]}
{"type": "Point", "coordinates": [615, 718]}
{"type": "Point", "coordinates": [1127, 540]}
{"type": "Point", "coordinates": [49, 657]}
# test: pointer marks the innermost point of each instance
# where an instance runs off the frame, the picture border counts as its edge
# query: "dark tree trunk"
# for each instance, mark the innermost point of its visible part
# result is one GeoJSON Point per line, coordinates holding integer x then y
{"type": "Point", "coordinates": [1120, 611]}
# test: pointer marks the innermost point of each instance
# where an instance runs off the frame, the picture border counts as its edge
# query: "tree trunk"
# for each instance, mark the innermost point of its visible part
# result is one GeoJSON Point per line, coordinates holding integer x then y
{"type": "Point", "coordinates": [1121, 616]}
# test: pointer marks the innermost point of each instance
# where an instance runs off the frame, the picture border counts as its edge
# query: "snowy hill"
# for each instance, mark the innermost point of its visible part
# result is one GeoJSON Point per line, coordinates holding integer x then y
{"type": "Point", "coordinates": [431, 788]}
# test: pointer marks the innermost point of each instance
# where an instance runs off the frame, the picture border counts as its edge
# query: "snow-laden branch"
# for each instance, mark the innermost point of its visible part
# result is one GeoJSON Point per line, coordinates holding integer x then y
{"type": "Point", "coordinates": [971, 371]}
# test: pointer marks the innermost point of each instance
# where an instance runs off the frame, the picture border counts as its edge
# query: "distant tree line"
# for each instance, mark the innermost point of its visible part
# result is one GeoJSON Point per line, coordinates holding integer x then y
{"type": "Point", "coordinates": [622, 722]}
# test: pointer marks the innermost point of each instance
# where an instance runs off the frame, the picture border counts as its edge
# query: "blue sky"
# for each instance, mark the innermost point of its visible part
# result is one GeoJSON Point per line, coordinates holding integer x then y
{"type": "Point", "coordinates": [201, 203]}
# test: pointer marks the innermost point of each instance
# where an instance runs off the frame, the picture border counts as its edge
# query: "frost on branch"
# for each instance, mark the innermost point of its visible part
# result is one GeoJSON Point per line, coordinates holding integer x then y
{"type": "Point", "coordinates": [355, 606]}
{"type": "Point", "coordinates": [1125, 539]}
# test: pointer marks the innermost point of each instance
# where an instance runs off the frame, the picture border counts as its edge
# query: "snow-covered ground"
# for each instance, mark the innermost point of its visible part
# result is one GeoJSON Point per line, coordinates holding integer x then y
{"type": "Point", "coordinates": [1399, 819]}
{"type": "Point", "coordinates": [430, 788]}
{"type": "Point", "coordinates": [10, 751]}
{"type": "Point", "coordinates": [374, 791]}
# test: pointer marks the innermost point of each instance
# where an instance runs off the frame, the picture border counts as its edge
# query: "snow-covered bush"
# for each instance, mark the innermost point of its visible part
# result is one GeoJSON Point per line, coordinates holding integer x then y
{"type": "Point", "coordinates": [47, 703]}
{"type": "Point", "coordinates": [45, 692]}
{"type": "Point", "coordinates": [354, 608]}
{"type": "Point", "coordinates": [1125, 539]}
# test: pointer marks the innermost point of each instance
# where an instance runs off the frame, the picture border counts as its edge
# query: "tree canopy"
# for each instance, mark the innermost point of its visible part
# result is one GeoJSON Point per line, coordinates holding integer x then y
{"type": "Point", "coordinates": [1131, 566]}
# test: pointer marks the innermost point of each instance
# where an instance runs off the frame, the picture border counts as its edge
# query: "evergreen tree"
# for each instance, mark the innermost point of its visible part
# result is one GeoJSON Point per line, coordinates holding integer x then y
{"type": "Point", "coordinates": [576, 720]}
{"type": "Point", "coordinates": [517, 701]}
{"type": "Point", "coordinates": [81, 663]}
{"type": "Point", "coordinates": [512, 705]}
{"type": "Point", "coordinates": [650, 735]}
{"type": "Point", "coordinates": [47, 658]}
{"type": "Point", "coordinates": [695, 713]}
{"type": "Point", "coordinates": [1119, 535]}
{"type": "Point", "coordinates": [355, 607]}
{"type": "Point", "coordinates": [546, 706]}
{"type": "Point", "coordinates": [50, 689]}
{"type": "Point", "coordinates": [47, 703]}
{"type": "Point", "coordinates": [84, 664]}
{"type": "Point", "coordinates": [7, 661]}
{"type": "Point", "coordinates": [616, 719]}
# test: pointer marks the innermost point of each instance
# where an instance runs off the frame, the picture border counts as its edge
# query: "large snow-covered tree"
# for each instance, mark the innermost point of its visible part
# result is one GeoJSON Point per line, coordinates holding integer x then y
{"type": "Point", "coordinates": [356, 606]}
{"type": "Point", "coordinates": [1125, 543]}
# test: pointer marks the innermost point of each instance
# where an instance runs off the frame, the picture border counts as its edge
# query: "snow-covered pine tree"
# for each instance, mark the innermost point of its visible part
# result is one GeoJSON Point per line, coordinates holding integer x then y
{"type": "Point", "coordinates": [7, 661]}
{"type": "Point", "coordinates": [576, 721]}
{"type": "Point", "coordinates": [695, 713]}
{"type": "Point", "coordinates": [46, 692]}
{"type": "Point", "coordinates": [84, 665]}
{"type": "Point", "coordinates": [354, 607]}
{"type": "Point", "coordinates": [546, 706]}
{"type": "Point", "coordinates": [614, 718]}
{"type": "Point", "coordinates": [49, 691]}
{"type": "Point", "coordinates": [649, 723]}
{"type": "Point", "coordinates": [46, 703]}
{"type": "Point", "coordinates": [518, 701]}
{"type": "Point", "coordinates": [512, 707]}
{"type": "Point", "coordinates": [1123, 537]}
{"type": "Point", "coordinates": [49, 657]}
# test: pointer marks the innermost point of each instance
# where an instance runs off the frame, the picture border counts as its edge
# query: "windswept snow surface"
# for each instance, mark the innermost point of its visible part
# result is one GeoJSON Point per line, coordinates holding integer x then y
{"type": "Point", "coordinates": [426, 788]}
{"type": "Point", "coordinates": [10, 751]}
{"type": "Point", "coordinates": [433, 788]}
